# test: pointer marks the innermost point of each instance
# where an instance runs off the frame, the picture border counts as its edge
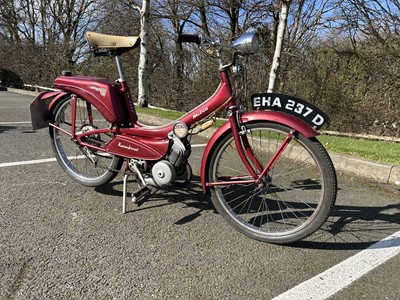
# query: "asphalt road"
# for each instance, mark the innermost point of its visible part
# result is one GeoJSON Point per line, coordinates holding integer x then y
{"type": "Point", "coordinates": [60, 240]}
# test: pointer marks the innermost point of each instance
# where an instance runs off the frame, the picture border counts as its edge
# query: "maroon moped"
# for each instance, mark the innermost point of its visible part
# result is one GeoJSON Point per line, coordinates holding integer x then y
{"type": "Point", "coordinates": [267, 174]}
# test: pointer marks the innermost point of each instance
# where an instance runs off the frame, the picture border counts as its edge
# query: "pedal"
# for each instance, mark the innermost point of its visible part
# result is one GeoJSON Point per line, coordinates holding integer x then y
{"type": "Point", "coordinates": [141, 195]}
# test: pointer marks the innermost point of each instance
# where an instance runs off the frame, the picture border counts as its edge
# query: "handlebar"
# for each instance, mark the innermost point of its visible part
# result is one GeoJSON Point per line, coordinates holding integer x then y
{"type": "Point", "coordinates": [246, 44]}
{"type": "Point", "coordinates": [189, 38]}
{"type": "Point", "coordinates": [210, 42]}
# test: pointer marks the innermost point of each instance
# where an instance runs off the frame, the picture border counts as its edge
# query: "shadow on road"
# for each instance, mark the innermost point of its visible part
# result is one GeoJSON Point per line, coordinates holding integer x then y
{"type": "Point", "coordinates": [347, 228]}
{"type": "Point", "coordinates": [355, 227]}
{"type": "Point", "coordinates": [190, 195]}
{"type": "Point", "coordinates": [21, 129]}
{"type": "Point", "coordinates": [4, 128]}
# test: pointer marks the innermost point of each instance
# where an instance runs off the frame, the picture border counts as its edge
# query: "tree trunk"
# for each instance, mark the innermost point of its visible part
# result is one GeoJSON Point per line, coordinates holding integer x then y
{"type": "Point", "coordinates": [278, 46]}
{"type": "Point", "coordinates": [203, 17]}
{"type": "Point", "coordinates": [143, 89]}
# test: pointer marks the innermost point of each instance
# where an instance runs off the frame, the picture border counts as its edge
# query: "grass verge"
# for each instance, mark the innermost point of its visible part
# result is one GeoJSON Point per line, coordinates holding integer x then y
{"type": "Point", "coordinates": [380, 151]}
{"type": "Point", "coordinates": [167, 114]}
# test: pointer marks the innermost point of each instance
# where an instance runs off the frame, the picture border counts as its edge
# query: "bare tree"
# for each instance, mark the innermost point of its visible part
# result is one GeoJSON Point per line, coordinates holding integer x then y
{"type": "Point", "coordinates": [304, 21]}
{"type": "Point", "coordinates": [40, 38]}
{"type": "Point", "coordinates": [374, 31]}
{"type": "Point", "coordinates": [143, 89]}
{"type": "Point", "coordinates": [231, 18]}
{"type": "Point", "coordinates": [203, 16]}
{"type": "Point", "coordinates": [9, 21]}
{"type": "Point", "coordinates": [278, 45]}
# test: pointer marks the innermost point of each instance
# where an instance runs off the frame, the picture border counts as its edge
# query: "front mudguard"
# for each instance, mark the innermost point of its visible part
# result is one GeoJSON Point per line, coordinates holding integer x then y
{"type": "Point", "coordinates": [250, 117]}
{"type": "Point", "coordinates": [41, 106]}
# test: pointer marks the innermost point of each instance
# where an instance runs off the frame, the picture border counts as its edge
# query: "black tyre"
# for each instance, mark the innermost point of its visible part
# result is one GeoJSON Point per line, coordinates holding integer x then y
{"type": "Point", "coordinates": [298, 192]}
{"type": "Point", "coordinates": [86, 166]}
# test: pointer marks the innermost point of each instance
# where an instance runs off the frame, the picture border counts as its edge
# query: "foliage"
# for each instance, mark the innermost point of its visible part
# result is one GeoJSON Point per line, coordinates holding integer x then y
{"type": "Point", "coordinates": [10, 79]}
{"type": "Point", "coordinates": [340, 55]}
{"type": "Point", "coordinates": [357, 88]}
{"type": "Point", "coordinates": [387, 152]}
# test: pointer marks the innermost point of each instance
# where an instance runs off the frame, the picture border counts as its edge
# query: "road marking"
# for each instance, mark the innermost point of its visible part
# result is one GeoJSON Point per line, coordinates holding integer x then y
{"type": "Point", "coordinates": [13, 107]}
{"type": "Point", "coordinates": [10, 123]}
{"type": "Point", "coordinates": [27, 162]}
{"type": "Point", "coordinates": [199, 145]}
{"type": "Point", "coordinates": [36, 161]}
{"type": "Point", "coordinates": [47, 160]}
{"type": "Point", "coordinates": [345, 273]}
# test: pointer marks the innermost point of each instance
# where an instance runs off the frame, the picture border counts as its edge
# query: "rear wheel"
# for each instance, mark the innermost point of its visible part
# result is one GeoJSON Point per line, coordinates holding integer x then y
{"type": "Point", "coordinates": [296, 196]}
{"type": "Point", "coordinates": [85, 165]}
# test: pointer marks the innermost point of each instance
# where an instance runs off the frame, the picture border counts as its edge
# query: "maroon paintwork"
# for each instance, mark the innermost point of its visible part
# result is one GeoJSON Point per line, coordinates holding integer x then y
{"type": "Point", "coordinates": [249, 117]}
{"type": "Point", "coordinates": [113, 101]}
{"type": "Point", "coordinates": [133, 140]}
{"type": "Point", "coordinates": [138, 147]}
{"type": "Point", "coordinates": [105, 95]}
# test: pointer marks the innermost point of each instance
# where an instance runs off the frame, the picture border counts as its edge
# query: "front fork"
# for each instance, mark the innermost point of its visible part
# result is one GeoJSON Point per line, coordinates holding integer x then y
{"type": "Point", "coordinates": [245, 152]}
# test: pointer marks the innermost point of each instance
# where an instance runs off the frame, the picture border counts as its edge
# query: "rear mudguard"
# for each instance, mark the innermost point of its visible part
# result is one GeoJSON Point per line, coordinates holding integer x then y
{"type": "Point", "coordinates": [42, 105]}
{"type": "Point", "coordinates": [153, 144]}
{"type": "Point", "coordinates": [106, 95]}
{"type": "Point", "coordinates": [250, 117]}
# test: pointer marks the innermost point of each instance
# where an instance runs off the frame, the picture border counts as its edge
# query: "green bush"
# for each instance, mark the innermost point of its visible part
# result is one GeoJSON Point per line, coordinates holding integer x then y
{"type": "Point", "coordinates": [9, 78]}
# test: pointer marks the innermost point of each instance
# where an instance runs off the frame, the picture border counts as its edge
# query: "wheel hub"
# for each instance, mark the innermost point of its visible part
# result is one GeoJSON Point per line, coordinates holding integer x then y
{"type": "Point", "coordinates": [265, 182]}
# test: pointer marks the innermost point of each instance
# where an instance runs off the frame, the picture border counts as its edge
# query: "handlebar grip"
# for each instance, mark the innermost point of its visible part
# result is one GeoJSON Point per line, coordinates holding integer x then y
{"type": "Point", "coordinates": [189, 38]}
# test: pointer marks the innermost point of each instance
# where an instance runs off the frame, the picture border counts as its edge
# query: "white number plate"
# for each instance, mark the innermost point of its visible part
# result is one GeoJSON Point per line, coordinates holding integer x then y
{"type": "Point", "coordinates": [301, 109]}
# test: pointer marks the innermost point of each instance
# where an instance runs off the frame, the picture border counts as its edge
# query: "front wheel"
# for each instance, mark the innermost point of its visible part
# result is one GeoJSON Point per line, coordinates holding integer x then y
{"type": "Point", "coordinates": [297, 193]}
{"type": "Point", "coordinates": [83, 164]}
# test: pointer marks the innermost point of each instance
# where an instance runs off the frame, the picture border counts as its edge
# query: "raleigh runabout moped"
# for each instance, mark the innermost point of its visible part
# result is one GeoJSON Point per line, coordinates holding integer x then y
{"type": "Point", "coordinates": [267, 174]}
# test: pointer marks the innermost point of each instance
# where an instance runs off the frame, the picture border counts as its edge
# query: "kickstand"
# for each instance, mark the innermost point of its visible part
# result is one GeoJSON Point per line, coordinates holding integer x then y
{"type": "Point", "coordinates": [140, 195]}
{"type": "Point", "coordinates": [124, 192]}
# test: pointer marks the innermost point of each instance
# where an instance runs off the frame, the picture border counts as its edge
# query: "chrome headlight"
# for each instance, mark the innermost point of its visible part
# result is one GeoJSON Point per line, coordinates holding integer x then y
{"type": "Point", "coordinates": [238, 69]}
{"type": "Point", "coordinates": [248, 43]}
{"type": "Point", "coordinates": [180, 130]}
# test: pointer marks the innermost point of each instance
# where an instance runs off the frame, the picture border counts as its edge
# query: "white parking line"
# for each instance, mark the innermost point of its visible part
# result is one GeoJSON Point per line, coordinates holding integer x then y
{"type": "Point", "coordinates": [10, 123]}
{"type": "Point", "coordinates": [199, 145]}
{"type": "Point", "coordinates": [47, 160]}
{"type": "Point", "coordinates": [343, 274]}
{"type": "Point", "coordinates": [27, 162]}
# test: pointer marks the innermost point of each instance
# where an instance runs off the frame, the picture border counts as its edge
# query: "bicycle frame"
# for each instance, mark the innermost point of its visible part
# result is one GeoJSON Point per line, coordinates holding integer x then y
{"type": "Point", "coordinates": [151, 142]}
{"type": "Point", "coordinates": [134, 140]}
{"type": "Point", "coordinates": [97, 117]}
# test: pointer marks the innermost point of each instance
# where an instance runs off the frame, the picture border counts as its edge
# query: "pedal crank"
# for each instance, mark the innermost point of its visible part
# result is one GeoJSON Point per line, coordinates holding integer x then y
{"type": "Point", "coordinates": [141, 195]}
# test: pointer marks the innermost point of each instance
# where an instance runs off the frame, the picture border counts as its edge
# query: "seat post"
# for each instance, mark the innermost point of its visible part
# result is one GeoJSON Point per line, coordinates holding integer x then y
{"type": "Point", "coordinates": [119, 66]}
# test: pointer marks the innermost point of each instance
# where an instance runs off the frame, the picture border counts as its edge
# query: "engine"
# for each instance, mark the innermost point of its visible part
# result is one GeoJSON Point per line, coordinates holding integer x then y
{"type": "Point", "coordinates": [174, 168]}
{"type": "Point", "coordinates": [180, 151]}
{"type": "Point", "coordinates": [175, 165]}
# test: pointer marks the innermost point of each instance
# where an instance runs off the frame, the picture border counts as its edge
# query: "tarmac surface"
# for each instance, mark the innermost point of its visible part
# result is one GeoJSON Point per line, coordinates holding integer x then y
{"type": "Point", "coordinates": [60, 240]}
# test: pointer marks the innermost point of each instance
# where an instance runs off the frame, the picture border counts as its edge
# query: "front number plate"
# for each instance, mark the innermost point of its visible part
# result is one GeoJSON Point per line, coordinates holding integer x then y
{"type": "Point", "coordinates": [298, 108]}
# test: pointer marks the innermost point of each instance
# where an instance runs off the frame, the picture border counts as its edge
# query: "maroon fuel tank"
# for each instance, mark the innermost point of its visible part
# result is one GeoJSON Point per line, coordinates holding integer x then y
{"type": "Point", "coordinates": [138, 147]}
